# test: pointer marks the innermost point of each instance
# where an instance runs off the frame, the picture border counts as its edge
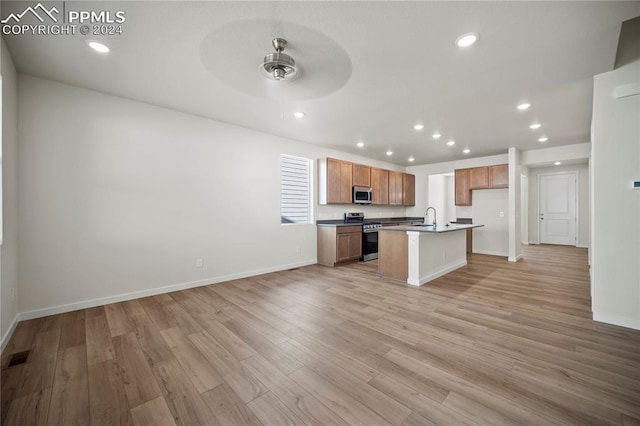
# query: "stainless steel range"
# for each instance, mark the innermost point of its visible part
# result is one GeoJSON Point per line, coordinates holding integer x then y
{"type": "Point", "coordinates": [370, 240]}
{"type": "Point", "coordinates": [369, 234]}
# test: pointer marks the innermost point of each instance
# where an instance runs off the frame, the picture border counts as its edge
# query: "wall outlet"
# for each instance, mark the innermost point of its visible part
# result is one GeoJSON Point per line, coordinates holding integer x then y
{"type": "Point", "coordinates": [297, 249]}
{"type": "Point", "coordinates": [501, 214]}
{"type": "Point", "coordinates": [13, 294]}
{"type": "Point", "coordinates": [199, 262]}
{"type": "Point", "coordinates": [444, 255]}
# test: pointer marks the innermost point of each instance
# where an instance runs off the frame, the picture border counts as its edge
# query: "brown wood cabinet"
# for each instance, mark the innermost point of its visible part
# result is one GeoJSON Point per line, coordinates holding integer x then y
{"type": "Point", "coordinates": [379, 186]}
{"type": "Point", "coordinates": [339, 181]}
{"type": "Point", "coordinates": [408, 190]}
{"type": "Point", "coordinates": [337, 244]}
{"type": "Point", "coordinates": [488, 177]}
{"type": "Point", "coordinates": [361, 175]}
{"type": "Point", "coordinates": [478, 178]}
{"type": "Point", "coordinates": [463, 193]}
{"type": "Point", "coordinates": [499, 176]}
{"type": "Point", "coordinates": [395, 188]}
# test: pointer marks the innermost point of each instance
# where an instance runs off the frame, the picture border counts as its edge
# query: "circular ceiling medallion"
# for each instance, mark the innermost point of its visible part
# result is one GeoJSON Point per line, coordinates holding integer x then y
{"type": "Point", "coordinates": [233, 54]}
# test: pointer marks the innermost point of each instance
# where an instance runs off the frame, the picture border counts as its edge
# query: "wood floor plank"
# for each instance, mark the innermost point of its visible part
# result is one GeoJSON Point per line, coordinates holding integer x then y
{"type": "Point", "coordinates": [107, 397]}
{"type": "Point", "coordinates": [73, 329]}
{"type": "Point", "coordinates": [98, 337]}
{"type": "Point", "coordinates": [70, 394]}
{"type": "Point", "coordinates": [201, 373]}
{"type": "Point", "coordinates": [153, 413]}
{"type": "Point", "coordinates": [228, 407]}
{"type": "Point", "coordinates": [117, 319]}
{"type": "Point", "coordinates": [294, 397]}
{"type": "Point", "coordinates": [332, 396]}
{"type": "Point", "coordinates": [184, 401]}
{"type": "Point", "coordinates": [38, 372]}
{"type": "Point", "coordinates": [30, 409]}
{"type": "Point", "coordinates": [140, 385]}
{"type": "Point", "coordinates": [271, 411]}
{"type": "Point", "coordinates": [241, 381]}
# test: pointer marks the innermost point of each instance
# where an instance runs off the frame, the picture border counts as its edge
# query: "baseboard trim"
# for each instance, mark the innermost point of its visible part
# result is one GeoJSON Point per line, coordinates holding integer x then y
{"type": "Point", "coordinates": [9, 333]}
{"type": "Point", "coordinates": [60, 309]}
{"type": "Point", "coordinates": [515, 259]}
{"type": "Point", "coordinates": [491, 253]}
{"type": "Point", "coordinates": [627, 322]}
{"type": "Point", "coordinates": [438, 274]}
{"type": "Point", "coordinates": [582, 246]}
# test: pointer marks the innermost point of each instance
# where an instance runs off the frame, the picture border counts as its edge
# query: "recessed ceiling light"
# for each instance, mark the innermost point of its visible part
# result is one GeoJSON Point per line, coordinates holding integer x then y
{"type": "Point", "coordinates": [298, 114]}
{"type": "Point", "coordinates": [557, 163]}
{"type": "Point", "coordinates": [411, 159]}
{"type": "Point", "coordinates": [98, 47]}
{"type": "Point", "coordinates": [467, 39]}
{"type": "Point", "coordinates": [524, 106]}
{"type": "Point", "coordinates": [389, 152]}
{"type": "Point", "coordinates": [535, 126]}
{"type": "Point", "coordinates": [466, 151]}
{"type": "Point", "coordinates": [543, 139]}
{"type": "Point", "coordinates": [451, 143]}
{"type": "Point", "coordinates": [360, 144]}
{"type": "Point", "coordinates": [419, 126]}
{"type": "Point", "coordinates": [436, 135]}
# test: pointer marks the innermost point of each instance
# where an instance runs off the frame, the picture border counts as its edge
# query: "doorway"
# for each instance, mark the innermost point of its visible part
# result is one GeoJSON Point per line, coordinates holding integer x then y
{"type": "Point", "coordinates": [557, 201]}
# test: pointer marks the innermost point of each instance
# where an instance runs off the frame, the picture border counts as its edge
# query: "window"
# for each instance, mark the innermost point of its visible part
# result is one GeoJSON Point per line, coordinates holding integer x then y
{"type": "Point", "coordinates": [295, 189]}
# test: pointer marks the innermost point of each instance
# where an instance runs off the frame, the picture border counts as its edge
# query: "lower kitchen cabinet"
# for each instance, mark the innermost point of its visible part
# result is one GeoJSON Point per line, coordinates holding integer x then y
{"type": "Point", "coordinates": [337, 244]}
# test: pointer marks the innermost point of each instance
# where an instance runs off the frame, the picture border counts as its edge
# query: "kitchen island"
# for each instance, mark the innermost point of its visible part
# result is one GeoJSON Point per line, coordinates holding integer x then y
{"type": "Point", "coordinates": [419, 254]}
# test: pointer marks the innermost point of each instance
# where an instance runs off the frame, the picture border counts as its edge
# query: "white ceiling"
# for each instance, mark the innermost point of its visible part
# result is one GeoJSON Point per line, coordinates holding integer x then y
{"type": "Point", "coordinates": [370, 70]}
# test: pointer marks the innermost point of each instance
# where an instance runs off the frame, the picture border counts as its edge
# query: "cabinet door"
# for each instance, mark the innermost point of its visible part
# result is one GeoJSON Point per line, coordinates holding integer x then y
{"type": "Point", "coordinates": [379, 186]}
{"type": "Point", "coordinates": [463, 193]}
{"type": "Point", "coordinates": [395, 188]}
{"type": "Point", "coordinates": [478, 178]}
{"type": "Point", "coordinates": [499, 176]}
{"type": "Point", "coordinates": [342, 247]}
{"type": "Point", "coordinates": [348, 246]}
{"type": "Point", "coordinates": [408, 190]}
{"type": "Point", "coordinates": [346, 185]}
{"type": "Point", "coordinates": [355, 246]}
{"type": "Point", "coordinates": [333, 181]}
{"type": "Point", "coordinates": [361, 175]}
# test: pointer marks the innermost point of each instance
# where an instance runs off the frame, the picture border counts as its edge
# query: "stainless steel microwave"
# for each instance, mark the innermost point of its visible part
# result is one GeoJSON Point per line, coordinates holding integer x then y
{"type": "Point", "coordinates": [361, 195]}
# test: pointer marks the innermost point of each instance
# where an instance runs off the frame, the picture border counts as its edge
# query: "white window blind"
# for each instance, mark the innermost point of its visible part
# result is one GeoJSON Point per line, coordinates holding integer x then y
{"type": "Point", "coordinates": [295, 189]}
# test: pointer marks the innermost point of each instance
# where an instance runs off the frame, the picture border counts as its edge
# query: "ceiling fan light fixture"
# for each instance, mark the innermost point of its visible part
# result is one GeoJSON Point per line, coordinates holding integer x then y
{"type": "Point", "coordinates": [278, 66]}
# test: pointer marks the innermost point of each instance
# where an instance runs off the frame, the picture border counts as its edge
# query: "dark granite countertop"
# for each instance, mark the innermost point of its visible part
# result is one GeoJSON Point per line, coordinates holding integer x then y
{"type": "Point", "coordinates": [383, 220]}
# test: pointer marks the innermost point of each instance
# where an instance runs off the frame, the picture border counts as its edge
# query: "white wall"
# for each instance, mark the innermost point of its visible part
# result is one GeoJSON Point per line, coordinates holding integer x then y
{"type": "Point", "coordinates": [121, 197]}
{"type": "Point", "coordinates": [616, 207]}
{"type": "Point", "coordinates": [438, 196]}
{"type": "Point", "coordinates": [9, 248]}
{"type": "Point", "coordinates": [488, 205]}
{"type": "Point", "coordinates": [582, 207]}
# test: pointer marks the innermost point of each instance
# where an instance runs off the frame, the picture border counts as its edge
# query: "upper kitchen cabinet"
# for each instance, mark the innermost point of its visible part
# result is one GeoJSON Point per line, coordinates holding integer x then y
{"type": "Point", "coordinates": [463, 193]}
{"type": "Point", "coordinates": [488, 177]}
{"type": "Point", "coordinates": [379, 186]}
{"type": "Point", "coordinates": [408, 190]}
{"type": "Point", "coordinates": [395, 188]}
{"type": "Point", "coordinates": [336, 181]}
{"type": "Point", "coordinates": [478, 178]}
{"type": "Point", "coordinates": [361, 175]}
{"type": "Point", "coordinates": [499, 176]}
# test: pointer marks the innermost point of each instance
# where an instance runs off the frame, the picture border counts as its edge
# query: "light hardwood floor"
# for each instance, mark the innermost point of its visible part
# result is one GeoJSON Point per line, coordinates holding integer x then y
{"type": "Point", "coordinates": [491, 343]}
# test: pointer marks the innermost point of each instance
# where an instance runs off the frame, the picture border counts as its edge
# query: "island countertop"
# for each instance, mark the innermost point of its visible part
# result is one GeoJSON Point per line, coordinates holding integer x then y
{"type": "Point", "coordinates": [429, 228]}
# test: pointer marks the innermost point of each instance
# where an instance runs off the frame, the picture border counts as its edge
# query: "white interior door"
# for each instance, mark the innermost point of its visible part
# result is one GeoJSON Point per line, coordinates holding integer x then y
{"type": "Point", "coordinates": [557, 216]}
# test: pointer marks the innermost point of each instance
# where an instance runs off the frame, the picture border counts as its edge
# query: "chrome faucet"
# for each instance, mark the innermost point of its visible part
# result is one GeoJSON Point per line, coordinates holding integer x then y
{"type": "Point", "coordinates": [434, 215]}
